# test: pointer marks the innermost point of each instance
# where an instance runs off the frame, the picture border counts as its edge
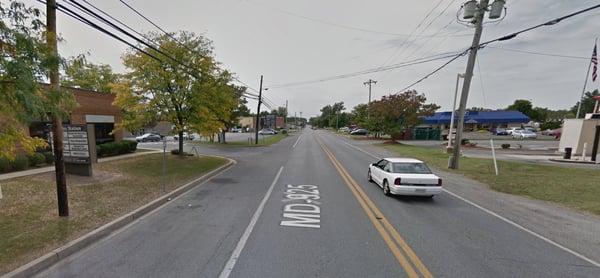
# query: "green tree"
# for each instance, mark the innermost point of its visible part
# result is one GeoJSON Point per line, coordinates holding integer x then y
{"type": "Point", "coordinates": [279, 112]}
{"type": "Point", "coordinates": [167, 90]}
{"type": "Point", "coordinates": [522, 105]}
{"type": "Point", "coordinates": [80, 73]}
{"type": "Point", "coordinates": [587, 105]}
{"type": "Point", "coordinates": [399, 111]}
{"type": "Point", "coordinates": [24, 61]}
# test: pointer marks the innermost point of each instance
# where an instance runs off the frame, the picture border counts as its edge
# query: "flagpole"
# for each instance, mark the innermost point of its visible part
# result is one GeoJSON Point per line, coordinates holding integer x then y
{"type": "Point", "coordinates": [585, 84]}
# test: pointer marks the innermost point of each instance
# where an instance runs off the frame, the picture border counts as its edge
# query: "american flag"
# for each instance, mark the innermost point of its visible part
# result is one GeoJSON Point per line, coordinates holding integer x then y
{"type": "Point", "coordinates": [595, 62]}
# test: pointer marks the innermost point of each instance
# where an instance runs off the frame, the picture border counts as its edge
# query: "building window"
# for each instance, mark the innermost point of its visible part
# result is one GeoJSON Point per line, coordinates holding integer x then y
{"type": "Point", "coordinates": [103, 132]}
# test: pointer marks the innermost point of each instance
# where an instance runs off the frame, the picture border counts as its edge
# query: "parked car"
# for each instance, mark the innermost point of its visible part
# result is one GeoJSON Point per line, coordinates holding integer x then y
{"type": "Point", "coordinates": [186, 136]}
{"type": "Point", "coordinates": [404, 176]}
{"type": "Point", "coordinates": [552, 132]}
{"type": "Point", "coordinates": [359, 131]}
{"type": "Point", "coordinates": [499, 131]}
{"type": "Point", "coordinates": [236, 129]}
{"type": "Point", "coordinates": [344, 129]}
{"type": "Point", "coordinates": [267, 131]}
{"type": "Point", "coordinates": [524, 134]}
{"type": "Point", "coordinates": [148, 137]}
{"type": "Point", "coordinates": [513, 129]}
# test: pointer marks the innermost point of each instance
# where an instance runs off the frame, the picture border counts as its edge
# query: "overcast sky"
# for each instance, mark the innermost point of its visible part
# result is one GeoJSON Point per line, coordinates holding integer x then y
{"type": "Point", "coordinates": [292, 41]}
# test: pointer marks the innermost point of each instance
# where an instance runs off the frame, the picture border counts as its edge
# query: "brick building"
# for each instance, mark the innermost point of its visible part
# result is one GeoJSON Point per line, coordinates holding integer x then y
{"type": "Point", "coordinates": [92, 108]}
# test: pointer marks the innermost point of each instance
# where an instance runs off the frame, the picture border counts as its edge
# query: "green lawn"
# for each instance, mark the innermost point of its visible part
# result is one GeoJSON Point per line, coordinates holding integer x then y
{"type": "Point", "coordinates": [573, 187]}
{"type": "Point", "coordinates": [30, 227]}
{"type": "Point", "coordinates": [262, 141]}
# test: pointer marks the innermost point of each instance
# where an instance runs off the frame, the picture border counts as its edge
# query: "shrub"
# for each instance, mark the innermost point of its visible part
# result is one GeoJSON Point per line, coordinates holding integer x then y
{"type": "Point", "coordinates": [48, 157]}
{"type": "Point", "coordinates": [36, 159]}
{"type": "Point", "coordinates": [464, 141]}
{"type": "Point", "coordinates": [4, 165]}
{"type": "Point", "coordinates": [116, 148]}
{"type": "Point", "coordinates": [505, 146]}
{"type": "Point", "coordinates": [284, 131]}
{"type": "Point", "coordinates": [20, 163]}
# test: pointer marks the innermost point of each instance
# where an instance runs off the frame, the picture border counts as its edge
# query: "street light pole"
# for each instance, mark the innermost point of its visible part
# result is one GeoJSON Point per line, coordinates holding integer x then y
{"type": "Point", "coordinates": [482, 7]}
{"type": "Point", "coordinates": [458, 76]}
{"type": "Point", "coordinates": [258, 111]}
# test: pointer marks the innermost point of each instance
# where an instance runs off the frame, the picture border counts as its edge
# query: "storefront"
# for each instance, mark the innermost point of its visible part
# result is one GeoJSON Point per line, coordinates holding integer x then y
{"type": "Point", "coordinates": [92, 108]}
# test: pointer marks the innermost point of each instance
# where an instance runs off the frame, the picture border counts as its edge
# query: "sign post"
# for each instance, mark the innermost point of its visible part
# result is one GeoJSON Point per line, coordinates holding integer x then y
{"type": "Point", "coordinates": [76, 150]}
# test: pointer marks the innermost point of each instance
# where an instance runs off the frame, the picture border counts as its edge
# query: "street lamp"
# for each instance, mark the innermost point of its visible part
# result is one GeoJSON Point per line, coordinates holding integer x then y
{"type": "Point", "coordinates": [458, 77]}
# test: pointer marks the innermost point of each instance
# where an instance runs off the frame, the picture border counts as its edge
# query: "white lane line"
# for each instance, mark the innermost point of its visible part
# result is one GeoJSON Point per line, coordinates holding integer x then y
{"type": "Point", "coordinates": [240, 245]}
{"type": "Point", "coordinates": [558, 245]}
{"type": "Point", "coordinates": [298, 140]}
{"type": "Point", "coordinates": [574, 253]}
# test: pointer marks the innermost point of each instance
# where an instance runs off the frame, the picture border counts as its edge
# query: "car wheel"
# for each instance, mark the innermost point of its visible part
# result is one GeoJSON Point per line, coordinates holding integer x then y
{"type": "Point", "coordinates": [386, 189]}
{"type": "Point", "coordinates": [369, 176]}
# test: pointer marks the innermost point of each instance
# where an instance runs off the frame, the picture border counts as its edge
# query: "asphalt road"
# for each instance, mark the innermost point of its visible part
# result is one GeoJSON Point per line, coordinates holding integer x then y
{"type": "Point", "coordinates": [303, 208]}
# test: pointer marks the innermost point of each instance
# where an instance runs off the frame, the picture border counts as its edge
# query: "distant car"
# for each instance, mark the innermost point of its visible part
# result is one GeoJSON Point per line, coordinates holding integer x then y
{"type": "Point", "coordinates": [359, 131]}
{"type": "Point", "coordinates": [530, 129]}
{"type": "Point", "coordinates": [404, 176]}
{"type": "Point", "coordinates": [499, 131]}
{"type": "Point", "coordinates": [267, 131]}
{"type": "Point", "coordinates": [236, 129]}
{"type": "Point", "coordinates": [148, 137]}
{"type": "Point", "coordinates": [524, 134]}
{"type": "Point", "coordinates": [513, 129]}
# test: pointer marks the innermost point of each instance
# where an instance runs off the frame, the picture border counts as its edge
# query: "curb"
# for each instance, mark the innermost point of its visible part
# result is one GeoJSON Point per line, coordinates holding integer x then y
{"type": "Point", "coordinates": [572, 161]}
{"type": "Point", "coordinates": [88, 239]}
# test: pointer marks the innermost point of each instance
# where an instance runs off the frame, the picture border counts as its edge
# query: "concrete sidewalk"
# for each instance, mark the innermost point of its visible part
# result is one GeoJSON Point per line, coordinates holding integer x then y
{"type": "Point", "coordinates": [51, 168]}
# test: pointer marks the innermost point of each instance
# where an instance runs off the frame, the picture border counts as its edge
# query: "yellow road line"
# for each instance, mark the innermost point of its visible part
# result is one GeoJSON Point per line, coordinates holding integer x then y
{"type": "Point", "coordinates": [380, 221]}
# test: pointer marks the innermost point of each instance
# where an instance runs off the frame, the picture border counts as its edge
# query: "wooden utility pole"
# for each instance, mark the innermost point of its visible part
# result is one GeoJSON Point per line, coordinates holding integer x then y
{"type": "Point", "coordinates": [258, 112]}
{"type": "Point", "coordinates": [483, 5]}
{"type": "Point", "coordinates": [57, 128]}
{"type": "Point", "coordinates": [370, 82]}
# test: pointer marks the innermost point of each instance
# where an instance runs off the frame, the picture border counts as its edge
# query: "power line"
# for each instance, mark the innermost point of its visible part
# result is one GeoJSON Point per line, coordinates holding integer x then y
{"type": "Point", "coordinates": [170, 35]}
{"type": "Point", "coordinates": [109, 23]}
{"type": "Point", "coordinates": [538, 53]}
{"type": "Point", "coordinates": [371, 70]}
{"type": "Point", "coordinates": [338, 25]}
{"type": "Point", "coordinates": [82, 19]}
{"type": "Point", "coordinates": [504, 38]}
{"type": "Point", "coordinates": [119, 21]}
{"type": "Point", "coordinates": [401, 48]}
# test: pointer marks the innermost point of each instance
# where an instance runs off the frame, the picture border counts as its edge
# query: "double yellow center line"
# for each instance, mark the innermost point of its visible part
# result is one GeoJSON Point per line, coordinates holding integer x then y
{"type": "Point", "coordinates": [403, 253]}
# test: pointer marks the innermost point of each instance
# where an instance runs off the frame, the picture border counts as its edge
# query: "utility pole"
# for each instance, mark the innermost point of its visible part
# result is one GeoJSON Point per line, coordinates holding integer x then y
{"type": "Point", "coordinates": [286, 113]}
{"type": "Point", "coordinates": [370, 82]}
{"type": "Point", "coordinates": [57, 128]}
{"type": "Point", "coordinates": [478, 21]}
{"type": "Point", "coordinates": [258, 111]}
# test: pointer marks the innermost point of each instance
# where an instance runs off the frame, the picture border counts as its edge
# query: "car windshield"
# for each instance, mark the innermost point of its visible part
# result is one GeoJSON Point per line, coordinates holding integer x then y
{"type": "Point", "coordinates": [410, 168]}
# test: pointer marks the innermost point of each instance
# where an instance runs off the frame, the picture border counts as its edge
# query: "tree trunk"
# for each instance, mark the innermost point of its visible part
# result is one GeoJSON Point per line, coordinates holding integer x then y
{"type": "Point", "coordinates": [223, 137]}
{"type": "Point", "coordinates": [181, 143]}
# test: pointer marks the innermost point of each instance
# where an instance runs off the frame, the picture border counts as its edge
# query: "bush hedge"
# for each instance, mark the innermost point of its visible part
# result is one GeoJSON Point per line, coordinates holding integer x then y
{"type": "Point", "coordinates": [36, 159]}
{"type": "Point", "coordinates": [505, 146]}
{"type": "Point", "coordinates": [48, 157]}
{"type": "Point", "coordinates": [20, 163]}
{"type": "Point", "coordinates": [116, 148]}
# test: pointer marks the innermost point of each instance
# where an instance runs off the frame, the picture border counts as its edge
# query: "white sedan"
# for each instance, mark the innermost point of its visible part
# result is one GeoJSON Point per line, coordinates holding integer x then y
{"type": "Point", "coordinates": [405, 176]}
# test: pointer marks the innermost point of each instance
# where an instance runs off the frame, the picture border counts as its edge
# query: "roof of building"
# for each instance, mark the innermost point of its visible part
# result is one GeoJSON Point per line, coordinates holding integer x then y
{"type": "Point", "coordinates": [479, 117]}
{"type": "Point", "coordinates": [402, 160]}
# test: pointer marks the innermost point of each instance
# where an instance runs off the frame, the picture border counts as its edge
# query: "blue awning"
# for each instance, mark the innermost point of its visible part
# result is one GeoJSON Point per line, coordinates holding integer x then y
{"type": "Point", "coordinates": [480, 117]}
